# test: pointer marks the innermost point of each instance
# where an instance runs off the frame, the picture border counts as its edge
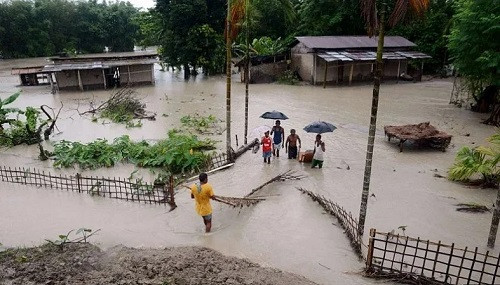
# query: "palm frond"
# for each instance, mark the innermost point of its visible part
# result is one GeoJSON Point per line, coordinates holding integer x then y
{"type": "Point", "coordinates": [402, 7]}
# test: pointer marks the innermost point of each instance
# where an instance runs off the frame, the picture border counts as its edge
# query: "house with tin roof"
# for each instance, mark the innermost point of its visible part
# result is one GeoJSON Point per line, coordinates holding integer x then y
{"type": "Point", "coordinates": [345, 59]}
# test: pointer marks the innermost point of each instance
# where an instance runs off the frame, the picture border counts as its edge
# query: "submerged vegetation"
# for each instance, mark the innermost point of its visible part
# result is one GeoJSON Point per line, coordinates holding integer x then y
{"type": "Point", "coordinates": [15, 131]}
{"type": "Point", "coordinates": [178, 153]}
{"type": "Point", "coordinates": [481, 161]}
{"type": "Point", "coordinates": [202, 124]}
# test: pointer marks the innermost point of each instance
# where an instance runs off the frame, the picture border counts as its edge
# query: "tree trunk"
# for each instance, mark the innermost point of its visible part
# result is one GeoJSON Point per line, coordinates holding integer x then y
{"type": "Point", "coordinates": [247, 65]}
{"type": "Point", "coordinates": [373, 126]}
{"type": "Point", "coordinates": [186, 71]}
{"type": "Point", "coordinates": [228, 80]}
{"type": "Point", "coordinates": [494, 221]}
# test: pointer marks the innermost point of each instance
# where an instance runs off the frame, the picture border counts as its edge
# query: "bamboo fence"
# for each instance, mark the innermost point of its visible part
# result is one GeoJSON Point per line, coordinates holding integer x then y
{"type": "Point", "coordinates": [346, 220]}
{"type": "Point", "coordinates": [116, 188]}
{"type": "Point", "coordinates": [425, 262]}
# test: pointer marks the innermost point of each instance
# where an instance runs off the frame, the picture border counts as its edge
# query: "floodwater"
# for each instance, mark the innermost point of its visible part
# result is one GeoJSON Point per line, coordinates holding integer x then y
{"type": "Point", "coordinates": [287, 231]}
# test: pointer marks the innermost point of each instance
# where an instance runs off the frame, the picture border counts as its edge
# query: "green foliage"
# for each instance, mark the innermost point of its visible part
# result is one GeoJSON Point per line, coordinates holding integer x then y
{"type": "Point", "coordinates": [20, 132]}
{"type": "Point", "coordinates": [179, 153]}
{"type": "Point", "coordinates": [430, 33]}
{"type": "Point", "coordinates": [82, 234]}
{"type": "Point", "coordinates": [288, 77]}
{"type": "Point", "coordinates": [189, 38]}
{"type": "Point", "coordinates": [5, 112]}
{"type": "Point", "coordinates": [46, 27]}
{"type": "Point", "coordinates": [329, 17]}
{"type": "Point", "coordinates": [473, 42]}
{"type": "Point", "coordinates": [201, 124]}
{"type": "Point", "coordinates": [149, 28]}
{"type": "Point", "coordinates": [481, 160]}
{"type": "Point", "coordinates": [267, 46]}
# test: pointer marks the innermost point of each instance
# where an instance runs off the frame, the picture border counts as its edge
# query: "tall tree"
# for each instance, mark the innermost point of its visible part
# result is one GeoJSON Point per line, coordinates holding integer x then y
{"type": "Point", "coordinates": [474, 49]}
{"type": "Point", "coordinates": [378, 15]}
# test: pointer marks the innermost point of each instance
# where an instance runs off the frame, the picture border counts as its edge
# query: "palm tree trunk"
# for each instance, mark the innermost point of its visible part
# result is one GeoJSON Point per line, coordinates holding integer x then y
{"type": "Point", "coordinates": [373, 126]}
{"type": "Point", "coordinates": [247, 65]}
{"type": "Point", "coordinates": [228, 80]}
{"type": "Point", "coordinates": [494, 222]}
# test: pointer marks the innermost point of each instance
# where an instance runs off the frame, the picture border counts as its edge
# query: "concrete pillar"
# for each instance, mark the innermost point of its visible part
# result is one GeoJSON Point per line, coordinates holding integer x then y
{"type": "Point", "coordinates": [351, 73]}
{"type": "Point", "coordinates": [326, 71]}
{"type": "Point", "coordinates": [128, 72]}
{"type": "Point", "coordinates": [153, 74]}
{"type": "Point", "coordinates": [80, 83]}
{"type": "Point", "coordinates": [104, 79]}
{"type": "Point", "coordinates": [399, 70]}
{"type": "Point", "coordinates": [314, 69]}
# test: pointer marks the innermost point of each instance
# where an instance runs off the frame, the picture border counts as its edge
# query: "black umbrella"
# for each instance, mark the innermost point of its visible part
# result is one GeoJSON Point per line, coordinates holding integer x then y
{"type": "Point", "coordinates": [319, 127]}
{"type": "Point", "coordinates": [275, 115]}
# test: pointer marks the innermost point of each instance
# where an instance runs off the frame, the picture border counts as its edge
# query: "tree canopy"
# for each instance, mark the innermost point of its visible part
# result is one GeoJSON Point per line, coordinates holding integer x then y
{"type": "Point", "coordinates": [473, 42]}
{"type": "Point", "coordinates": [30, 28]}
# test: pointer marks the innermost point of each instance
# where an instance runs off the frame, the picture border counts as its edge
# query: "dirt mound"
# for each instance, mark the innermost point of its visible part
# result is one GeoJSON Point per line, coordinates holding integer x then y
{"type": "Point", "coordinates": [87, 264]}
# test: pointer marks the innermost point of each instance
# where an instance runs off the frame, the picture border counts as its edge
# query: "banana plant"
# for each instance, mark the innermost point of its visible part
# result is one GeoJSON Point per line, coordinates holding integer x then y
{"type": "Point", "coordinates": [4, 111]}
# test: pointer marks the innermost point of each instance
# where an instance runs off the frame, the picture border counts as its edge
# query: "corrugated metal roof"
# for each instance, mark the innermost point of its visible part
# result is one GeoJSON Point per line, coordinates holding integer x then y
{"type": "Point", "coordinates": [27, 70]}
{"type": "Point", "coordinates": [108, 55]}
{"type": "Point", "coordinates": [331, 56]}
{"type": "Point", "coordinates": [413, 54]}
{"type": "Point", "coordinates": [353, 42]}
{"type": "Point", "coordinates": [96, 64]}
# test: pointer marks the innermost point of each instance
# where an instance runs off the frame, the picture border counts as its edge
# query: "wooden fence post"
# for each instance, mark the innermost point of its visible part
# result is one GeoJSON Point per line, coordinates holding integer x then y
{"type": "Point", "coordinates": [78, 183]}
{"type": "Point", "coordinates": [369, 256]}
{"type": "Point", "coordinates": [171, 192]}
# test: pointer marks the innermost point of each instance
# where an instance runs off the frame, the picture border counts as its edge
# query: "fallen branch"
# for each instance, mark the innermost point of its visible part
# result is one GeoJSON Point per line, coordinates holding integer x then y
{"type": "Point", "coordinates": [288, 175]}
{"type": "Point", "coordinates": [471, 207]}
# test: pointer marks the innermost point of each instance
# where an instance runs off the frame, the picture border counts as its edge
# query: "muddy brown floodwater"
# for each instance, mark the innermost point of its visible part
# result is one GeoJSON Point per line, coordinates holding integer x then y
{"type": "Point", "coordinates": [287, 231]}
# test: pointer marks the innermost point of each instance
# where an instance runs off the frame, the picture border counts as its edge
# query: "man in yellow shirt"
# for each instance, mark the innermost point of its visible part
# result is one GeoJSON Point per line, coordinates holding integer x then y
{"type": "Point", "coordinates": [202, 193]}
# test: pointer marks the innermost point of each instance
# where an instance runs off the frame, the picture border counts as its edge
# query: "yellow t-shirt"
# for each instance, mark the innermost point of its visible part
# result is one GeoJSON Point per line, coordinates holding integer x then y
{"type": "Point", "coordinates": [202, 198]}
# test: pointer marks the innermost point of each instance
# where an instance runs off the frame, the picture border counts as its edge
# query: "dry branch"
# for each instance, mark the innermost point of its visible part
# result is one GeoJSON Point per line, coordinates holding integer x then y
{"type": "Point", "coordinates": [288, 175]}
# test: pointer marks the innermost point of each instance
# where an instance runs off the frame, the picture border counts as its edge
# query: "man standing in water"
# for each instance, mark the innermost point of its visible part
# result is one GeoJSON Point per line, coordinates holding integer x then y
{"type": "Point", "coordinates": [318, 154]}
{"type": "Point", "coordinates": [291, 144]}
{"type": "Point", "coordinates": [278, 138]}
{"type": "Point", "coordinates": [202, 193]}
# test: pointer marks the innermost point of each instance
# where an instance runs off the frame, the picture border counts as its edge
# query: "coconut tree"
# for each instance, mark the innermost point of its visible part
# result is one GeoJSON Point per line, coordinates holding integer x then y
{"type": "Point", "coordinates": [379, 15]}
{"type": "Point", "coordinates": [243, 15]}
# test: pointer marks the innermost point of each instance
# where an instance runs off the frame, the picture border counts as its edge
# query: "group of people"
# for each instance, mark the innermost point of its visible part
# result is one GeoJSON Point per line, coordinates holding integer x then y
{"type": "Point", "coordinates": [203, 192]}
{"type": "Point", "coordinates": [272, 146]}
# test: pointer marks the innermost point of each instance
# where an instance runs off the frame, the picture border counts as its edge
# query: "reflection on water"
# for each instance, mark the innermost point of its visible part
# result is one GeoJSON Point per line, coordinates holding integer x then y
{"type": "Point", "coordinates": [287, 231]}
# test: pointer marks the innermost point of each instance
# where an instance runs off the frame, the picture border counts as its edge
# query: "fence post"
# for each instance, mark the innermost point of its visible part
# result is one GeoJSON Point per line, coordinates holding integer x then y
{"type": "Point", "coordinates": [369, 255]}
{"type": "Point", "coordinates": [171, 192]}
{"type": "Point", "coordinates": [78, 182]}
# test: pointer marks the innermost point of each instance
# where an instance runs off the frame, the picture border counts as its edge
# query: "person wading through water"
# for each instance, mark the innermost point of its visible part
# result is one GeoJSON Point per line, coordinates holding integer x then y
{"type": "Point", "coordinates": [278, 138]}
{"type": "Point", "coordinates": [319, 151]}
{"type": "Point", "coordinates": [291, 144]}
{"type": "Point", "coordinates": [266, 147]}
{"type": "Point", "coordinates": [202, 193]}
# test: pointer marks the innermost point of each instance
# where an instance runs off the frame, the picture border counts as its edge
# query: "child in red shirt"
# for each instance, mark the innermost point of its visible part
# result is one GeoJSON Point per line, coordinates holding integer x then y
{"type": "Point", "coordinates": [266, 147]}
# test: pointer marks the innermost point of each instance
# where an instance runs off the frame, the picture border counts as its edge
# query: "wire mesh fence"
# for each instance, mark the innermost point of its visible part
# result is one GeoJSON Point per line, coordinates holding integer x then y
{"type": "Point", "coordinates": [346, 220]}
{"type": "Point", "coordinates": [429, 262]}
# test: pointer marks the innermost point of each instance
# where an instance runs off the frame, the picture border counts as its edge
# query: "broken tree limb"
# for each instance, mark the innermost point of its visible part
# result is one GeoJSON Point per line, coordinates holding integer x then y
{"type": "Point", "coordinates": [244, 148]}
{"type": "Point", "coordinates": [288, 175]}
{"type": "Point", "coordinates": [233, 201]}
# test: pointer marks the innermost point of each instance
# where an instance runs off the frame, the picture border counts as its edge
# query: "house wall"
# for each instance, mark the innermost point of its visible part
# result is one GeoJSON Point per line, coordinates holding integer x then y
{"type": "Point", "coordinates": [362, 71]}
{"type": "Point", "coordinates": [92, 78]}
{"type": "Point", "coordinates": [303, 64]}
{"type": "Point", "coordinates": [267, 72]}
{"type": "Point", "coordinates": [67, 79]}
{"type": "Point", "coordinates": [139, 73]}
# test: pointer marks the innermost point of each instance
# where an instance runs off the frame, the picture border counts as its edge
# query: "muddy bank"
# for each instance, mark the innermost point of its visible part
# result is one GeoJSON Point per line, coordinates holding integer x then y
{"type": "Point", "coordinates": [87, 264]}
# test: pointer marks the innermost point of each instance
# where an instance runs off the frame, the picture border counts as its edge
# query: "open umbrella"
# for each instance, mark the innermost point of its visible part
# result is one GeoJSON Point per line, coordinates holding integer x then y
{"type": "Point", "coordinates": [274, 115]}
{"type": "Point", "coordinates": [319, 127]}
{"type": "Point", "coordinates": [258, 132]}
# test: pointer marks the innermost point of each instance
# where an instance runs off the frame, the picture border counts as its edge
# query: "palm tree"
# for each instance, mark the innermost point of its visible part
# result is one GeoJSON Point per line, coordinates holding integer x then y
{"type": "Point", "coordinates": [243, 14]}
{"type": "Point", "coordinates": [375, 14]}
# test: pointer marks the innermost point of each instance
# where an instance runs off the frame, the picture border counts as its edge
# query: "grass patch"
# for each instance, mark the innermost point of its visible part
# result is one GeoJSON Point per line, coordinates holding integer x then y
{"type": "Point", "coordinates": [202, 124]}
